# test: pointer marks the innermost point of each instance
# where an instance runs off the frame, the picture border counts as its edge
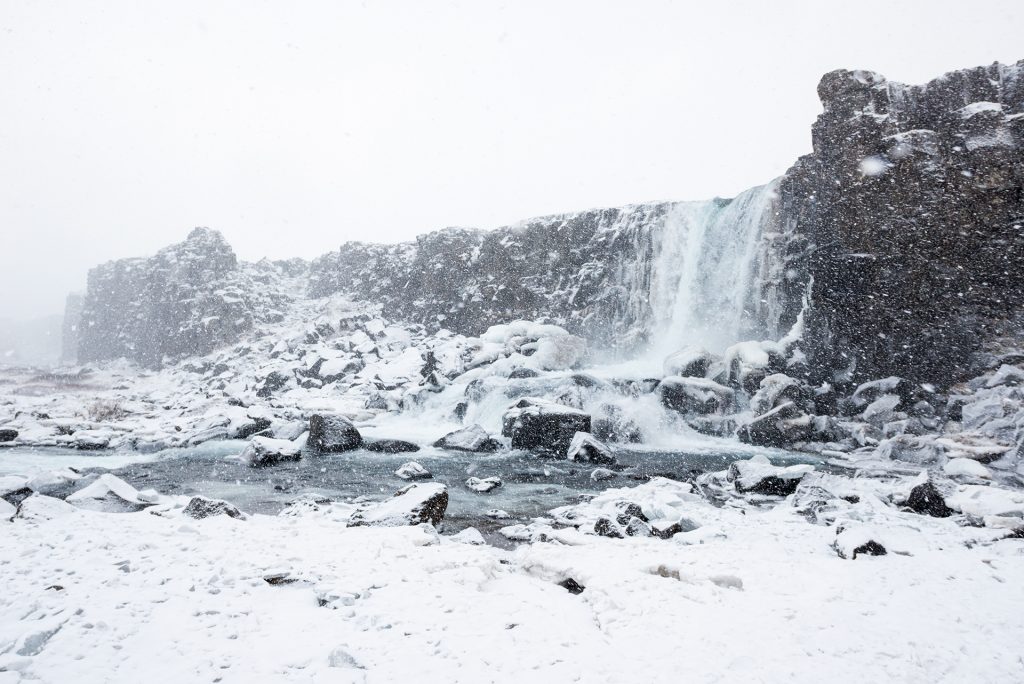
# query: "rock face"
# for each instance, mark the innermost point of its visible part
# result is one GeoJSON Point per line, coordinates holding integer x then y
{"type": "Point", "coordinates": [909, 217]}
{"type": "Point", "coordinates": [902, 232]}
{"type": "Point", "coordinates": [187, 299]}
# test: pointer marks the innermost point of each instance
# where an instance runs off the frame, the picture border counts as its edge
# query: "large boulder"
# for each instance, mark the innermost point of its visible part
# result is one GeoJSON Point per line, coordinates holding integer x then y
{"type": "Point", "coordinates": [390, 446]}
{"type": "Point", "coordinates": [332, 434]}
{"type": "Point", "coordinates": [775, 389]}
{"type": "Point", "coordinates": [473, 438]}
{"type": "Point", "coordinates": [542, 425]}
{"type": "Point", "coordinates": [695, 395]}
{"type": "Point", "coordinates": [758, 476]}
{"type": "Point", "coordinates": [421, 502]}
{"type": "Point", "coordinates": [8, 435]}
{"type": "Point", "coordinates": [690, 362]}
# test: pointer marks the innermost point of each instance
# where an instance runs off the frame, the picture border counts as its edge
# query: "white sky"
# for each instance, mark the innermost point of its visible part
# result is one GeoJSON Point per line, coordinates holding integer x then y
{"type": "Point", "coordinates": [295, 126]}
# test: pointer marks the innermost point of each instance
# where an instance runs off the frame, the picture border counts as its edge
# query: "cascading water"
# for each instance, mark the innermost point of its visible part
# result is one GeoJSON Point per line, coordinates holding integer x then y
{"type": "Point", "coordinates": [706, 272]}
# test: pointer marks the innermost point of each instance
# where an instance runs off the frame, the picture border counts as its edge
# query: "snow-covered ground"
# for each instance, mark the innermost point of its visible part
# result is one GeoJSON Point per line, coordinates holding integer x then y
{"type": "Point", "coordinates": [754, 593]}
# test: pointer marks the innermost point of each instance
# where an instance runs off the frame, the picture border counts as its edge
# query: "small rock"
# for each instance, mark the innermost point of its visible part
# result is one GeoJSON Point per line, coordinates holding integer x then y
{"type": "Point", "coordinates": [332, 434]}
{"type": "Point", "coordinates": [8, 435]}
{"type": "Point", "coordinates": [473, 438]}
{"type": "Point", "coordinates": [200, 507]}
{"type": "Point", "coordinates": [585, 447]}
{"type": "Point", "coordinates": [572, 586]}
{"type": "Point", "coordinates": [413, 471]}
{"type": "Point", "coordinates": [484, 485]}
{"type": "Point", "coordinates": [390, 446]}
{"type": "Point", "coordinates": [601, 474]}
{"type": "Point", "coordinates": [927, 500]}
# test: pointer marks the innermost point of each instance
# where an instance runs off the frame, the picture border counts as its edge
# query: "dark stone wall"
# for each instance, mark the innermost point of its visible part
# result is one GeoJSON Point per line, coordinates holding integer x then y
{"type": "Point", "coordinates": [909, 217]}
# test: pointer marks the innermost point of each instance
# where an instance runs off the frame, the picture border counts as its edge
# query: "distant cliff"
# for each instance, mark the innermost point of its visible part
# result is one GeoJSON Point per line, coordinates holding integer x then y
{"type": "Point", "coordinates": [187, 299]}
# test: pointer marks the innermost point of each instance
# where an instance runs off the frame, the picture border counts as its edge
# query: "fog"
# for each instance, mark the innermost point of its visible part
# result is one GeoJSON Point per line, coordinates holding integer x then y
{"type": "Point", "coordinates": [292, 129]}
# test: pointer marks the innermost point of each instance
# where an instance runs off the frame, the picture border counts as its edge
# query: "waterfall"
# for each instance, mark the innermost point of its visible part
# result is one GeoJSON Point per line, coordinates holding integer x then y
{"type": "Point", "coordinates": [707, 270]}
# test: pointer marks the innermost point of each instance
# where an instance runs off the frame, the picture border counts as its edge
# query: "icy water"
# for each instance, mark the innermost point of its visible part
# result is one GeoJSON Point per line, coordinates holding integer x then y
{"type": "Point", "coordinates": [532, 485]}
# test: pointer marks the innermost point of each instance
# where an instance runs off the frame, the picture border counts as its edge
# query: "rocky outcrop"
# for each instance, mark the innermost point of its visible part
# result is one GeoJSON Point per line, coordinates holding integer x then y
{"type": "Point", "coordinates": [187, 299]}
{"type": "Point", "coordinates": [908, 219]}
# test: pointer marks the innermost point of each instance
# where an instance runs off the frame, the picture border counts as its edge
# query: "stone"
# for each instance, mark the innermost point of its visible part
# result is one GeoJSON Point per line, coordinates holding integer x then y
{"type": "Point", "coordinates": [483, 485]}
{"type": "Point", "coordinates": [585, 447]}
{"type": "Point", "coordinates": [8, 435]}
{"type": "Point", "coordinates": [473, 439]}
{"type": "Point", "coordinates": [758, 476]}
{"type": "Point", "coordinates": [540, 425]}
{"type": "Point", "coordinates": [332, 434]}
{"type": "Point", "coordinates": [414, 504]}
{"type": "Point", "coordinates": [695, 395]}
{"type": "Point", "coordinates": [200, 507]}
{"type": "Point", "coordinates": [264, 451]}
{"type": "Point", "coordinates": [413, 471]}
{"type": "Point", "coordinates": [390, 446]}
{"type": "Point", "coordinates": [927, 500]}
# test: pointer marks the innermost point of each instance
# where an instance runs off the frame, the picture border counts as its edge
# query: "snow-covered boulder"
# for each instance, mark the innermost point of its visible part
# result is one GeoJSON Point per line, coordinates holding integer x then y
{"type": "Point", "coordinates": [472, 438]}
{"type": "Point", "coordinates": [39, 508]}
{"type": "Point", "coordinates": [858, 540]}
{"type": "Point", "coordinates": [758, 476]}
{"type": "Point", "coordinates": [470, 535]}
{"type": "Point", "coordinates": [543, 425]}
{"type": "Point", "coordinates": [422, 502]}
{"type": "Point", "coordinates": [110, 494]}
{"type": "Point", "coordinates": [779, 427]}
{"type": "Point", "coordinates": [483, 485]}
{"type": "Point", "coordinates": [332, 433]}
{"type": "Point", "coordinates": [695, 395]}
{"type": "Point", "coordinates": [602, 474]}
{"type": "Point", "coordinates": [390, 446]}
{"type": "Point", "coordinates": [966, 468]}
{"type": "Point", "coordinates": [264, 451]}
{"type": "Point", "coordinates": [54, 482]}
{"type": "Point", "coordinates": [200, 507]}
{"type": "Point", "coordinates": [689, 362]}
{"type": "Point", "coordinates": [413, 471]}
{"type": "Point", "coordinates": [775, 389]}
{"type": "Point", "coordinates": [585, 447]}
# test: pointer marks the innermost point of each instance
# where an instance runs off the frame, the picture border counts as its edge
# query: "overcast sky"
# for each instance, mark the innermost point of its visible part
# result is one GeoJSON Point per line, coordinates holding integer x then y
{"type": "Point", "coordinates": [295, 126]}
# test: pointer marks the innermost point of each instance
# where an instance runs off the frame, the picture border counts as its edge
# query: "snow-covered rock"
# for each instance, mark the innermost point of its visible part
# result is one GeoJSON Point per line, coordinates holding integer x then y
{"type": "Point", "coordinates": [265, 451]}
{"type": "Point", "coordinates": [108, 493]}
{"type": "Point", "coordinates": [200, 507]}
{"type": "Point", "coordinates": [757, 475]}
{"type": "Point", "coordinates": [332, 434]}
{"type": "Point", "coordinates": [472, 438]}
{"type": "Point", "coordinates": [411, 505]}
{"type": "Point", "coordinates": [483, 485]}
{"type": "Point", "coordinates": [413, 471]}
{"type": "Point", "coordinates": [543, 425]}
{"type": "Point", "coordinates": [695, 395]}
{"type": "Point", "coordinates": [585, 447]}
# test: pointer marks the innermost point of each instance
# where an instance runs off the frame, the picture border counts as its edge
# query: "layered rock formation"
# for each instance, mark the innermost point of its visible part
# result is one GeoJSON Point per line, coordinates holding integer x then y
{"type": "Point", "coordinates": [909, 217]}
{"type": "Point", "coordinates": [187, 299]}
{"type": "Point", "coordinates": [898, 237]}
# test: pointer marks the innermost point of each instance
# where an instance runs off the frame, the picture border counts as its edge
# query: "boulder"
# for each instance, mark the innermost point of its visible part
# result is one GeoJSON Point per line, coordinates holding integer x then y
{"type": "Point", "coordinates": [332, 434]}
{"type": "Point", "coordinates": [483, 485]}
{"type": "Point", "coordinates": [200, 507]}
{"type": "Point", "coordinates": [695, 395]}
{"type": "Point", "coordinates": [473, 438]}
{"type": "Point", "coordinates": [602, 474]}
{"type": "Point", "coordinates": [109, 494]}
{"type": "Point", "coordinates": [390, 446]}
{"type": "Point", "coordinates": [422, 502]}
{"type": "Point", "coordinates": [8, 435]}
{"type": "Point", "coordinates": [758, 476]}
{"type": "Point", "coordinates": [39, 508]}
{"type": "Point", "coordinates": [927, 500]}
{"type": "Point", "coordinates": [413, 471]}
{"type": "Point", "coordinates": [858, 541]}
{"type": "Point", "coordinates": [690, 362]}
{"type": "Point", "coordinates": [585, 447]}
{"type": "Point", "coordinates": [779, 427]}
{"type": "Point", "coordinates": [274, 382]}
{"type": "Point", "coordinates": [776, 389]}
{"type": "Point", "coordinates": [264, 451]}
{"type": "Point", "coordinates": [543, 425]}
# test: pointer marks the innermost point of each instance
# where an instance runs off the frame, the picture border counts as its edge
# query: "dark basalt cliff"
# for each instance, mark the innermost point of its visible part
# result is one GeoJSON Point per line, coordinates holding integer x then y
{"type": "Point", "coordinates": [187, 299]}
{"type": "Point", "coordinates": [901, 232]}
{"type": "Point", "coordinates": [909, 218]}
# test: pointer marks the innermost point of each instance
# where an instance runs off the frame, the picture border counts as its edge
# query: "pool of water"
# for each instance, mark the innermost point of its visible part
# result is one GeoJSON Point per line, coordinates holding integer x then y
{"type": "Point", "coordinates": [532, 484]}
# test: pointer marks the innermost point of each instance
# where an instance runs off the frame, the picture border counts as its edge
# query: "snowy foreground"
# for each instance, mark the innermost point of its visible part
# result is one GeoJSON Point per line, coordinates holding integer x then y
{"type": "Point", "coordinates": [751, 589]}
